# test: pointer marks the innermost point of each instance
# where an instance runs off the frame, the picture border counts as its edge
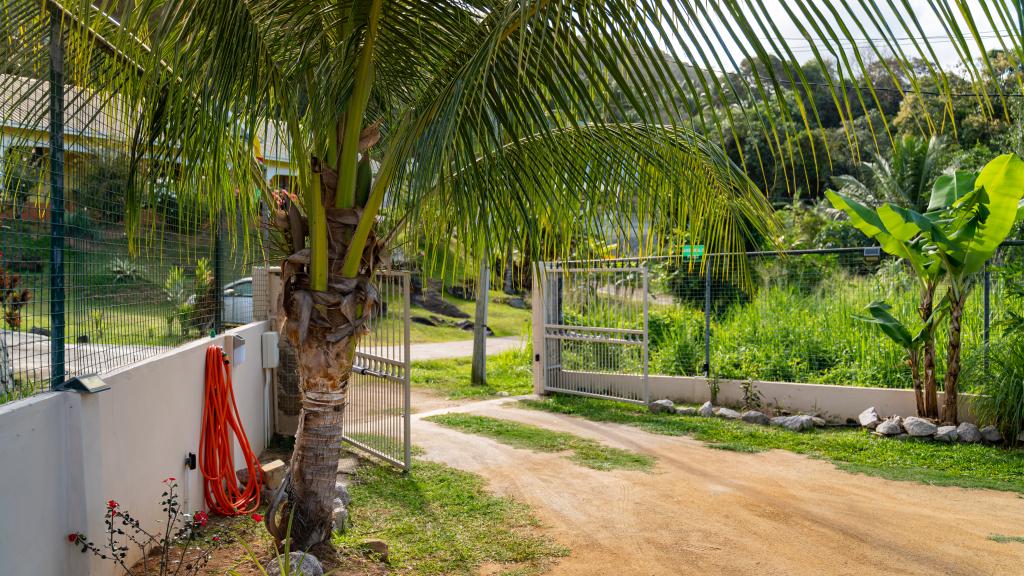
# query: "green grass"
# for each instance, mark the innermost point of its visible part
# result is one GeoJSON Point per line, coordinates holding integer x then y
{"type": "Point", "coordinates": [584, 451]}
{"type": "Point", "coordinates": [437, 520]}
{"type": "Point", "coordinates": [502, 318]}
{"type": "Point", "coordinates": [507, 371]}
{"type": "Point", "coordinates": [1006, 539]}
{"type": "Point", "coordinates": [853, 450]}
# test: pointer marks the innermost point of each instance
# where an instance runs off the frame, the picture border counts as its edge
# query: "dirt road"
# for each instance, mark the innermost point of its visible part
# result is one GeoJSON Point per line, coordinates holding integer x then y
{"type": "Point", "coordinates": [711, 512]}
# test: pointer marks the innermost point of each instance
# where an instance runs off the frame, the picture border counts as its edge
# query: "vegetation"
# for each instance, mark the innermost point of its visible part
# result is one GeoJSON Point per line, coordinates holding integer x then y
{"type": "Point", "coordinates": [582, 451]}
{"type": "Point", "coordinates": [437, 520]}
{"type": "Point", "coordinates": [854, 450]}
{"type": "Point", "coordinates": [509, 371]}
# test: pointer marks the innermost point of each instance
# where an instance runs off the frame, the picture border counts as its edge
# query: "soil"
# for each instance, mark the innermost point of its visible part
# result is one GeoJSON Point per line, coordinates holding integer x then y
{"type": "Point", "coordinates": [713, 512]}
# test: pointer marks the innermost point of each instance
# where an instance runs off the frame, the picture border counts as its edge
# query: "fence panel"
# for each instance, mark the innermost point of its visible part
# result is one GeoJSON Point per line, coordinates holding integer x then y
{"type": "Point", "coordinates": [377, 417]}
{"type": "Point", "coordinates": [595, 322]}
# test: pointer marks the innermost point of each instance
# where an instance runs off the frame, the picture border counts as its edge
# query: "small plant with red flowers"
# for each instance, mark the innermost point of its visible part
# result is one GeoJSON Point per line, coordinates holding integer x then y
{"type": "Point", "coordinates": [176, 550]}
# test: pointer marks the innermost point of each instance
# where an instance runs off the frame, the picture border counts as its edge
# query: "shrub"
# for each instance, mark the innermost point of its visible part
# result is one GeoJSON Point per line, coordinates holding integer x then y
{"type": "Point", "coordinates": [79, 224]}
{"type": "Point", "coordinates": [1001, 387]}
{"type": "Point", "coordinates": [676, 340]}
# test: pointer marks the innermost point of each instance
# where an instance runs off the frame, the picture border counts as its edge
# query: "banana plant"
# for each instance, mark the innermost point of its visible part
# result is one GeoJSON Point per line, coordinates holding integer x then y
{"type": "Point", "coordinates": [885, 226]}
{"type": "Point", "coordinates": [969, 217]}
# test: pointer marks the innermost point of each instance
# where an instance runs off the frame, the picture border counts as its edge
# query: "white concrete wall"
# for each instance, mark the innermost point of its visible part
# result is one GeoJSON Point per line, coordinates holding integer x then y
{"type": "Point", "coordinates": [63, 455]}
{"type": "Point", "coordinates": [834, 403]}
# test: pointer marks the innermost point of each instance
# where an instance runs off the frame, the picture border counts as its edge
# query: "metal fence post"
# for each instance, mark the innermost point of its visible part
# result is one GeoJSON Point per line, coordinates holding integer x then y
{"type": "Point", "coordinates": [218, 277]}
{"type": "Point", "coordinates": [988, 311]}
{"type": "Point", "coordinates": [707, 316]}
{"type": "Point", "coordinates": [56, 53]}
{"type": "Point", "coordinates": [646, 350]}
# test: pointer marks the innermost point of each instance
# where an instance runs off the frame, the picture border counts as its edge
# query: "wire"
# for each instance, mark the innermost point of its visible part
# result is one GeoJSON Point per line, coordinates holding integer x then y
{"type": "Point", "coordinates": [220, 420]}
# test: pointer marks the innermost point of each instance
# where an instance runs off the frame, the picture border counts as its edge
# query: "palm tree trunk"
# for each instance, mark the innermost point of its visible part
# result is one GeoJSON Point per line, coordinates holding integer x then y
{"type": "Point", "coordinates": [478, 374]}
{"type": "Point", "coordinates": [324, 326]}
{"type": "Point", "coordinates": [931, 396]}
{"type": "Point", "coordinates": [956, 311]}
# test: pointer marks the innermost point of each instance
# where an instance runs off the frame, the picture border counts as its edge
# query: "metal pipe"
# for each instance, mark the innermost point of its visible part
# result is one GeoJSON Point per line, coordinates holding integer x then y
{"type": "Point", "coordinates": [57, 316]}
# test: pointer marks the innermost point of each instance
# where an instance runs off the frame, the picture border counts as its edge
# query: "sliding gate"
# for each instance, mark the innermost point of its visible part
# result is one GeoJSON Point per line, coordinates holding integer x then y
{"type": "Point", "coordinates": [378, 413]}
{"type": "Point", "coordinates": [595, 330]}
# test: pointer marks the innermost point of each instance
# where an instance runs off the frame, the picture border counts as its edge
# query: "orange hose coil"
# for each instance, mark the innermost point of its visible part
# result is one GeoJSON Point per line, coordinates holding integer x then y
{"type": "Point", "coordinates": [220, 420]}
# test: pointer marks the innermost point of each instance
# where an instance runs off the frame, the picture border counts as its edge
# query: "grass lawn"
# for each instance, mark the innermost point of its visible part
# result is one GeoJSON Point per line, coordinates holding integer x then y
{"type": "Point", "coordinates": [438, 520]}
{"type": "Point", "coordinates": [502, 318]}
{"type": "Point", "coordinates": [853, 450]}
{"type": "Point", "coordinates": [582, 451]}
{"type": "Point", "coordinates": [507, 371]}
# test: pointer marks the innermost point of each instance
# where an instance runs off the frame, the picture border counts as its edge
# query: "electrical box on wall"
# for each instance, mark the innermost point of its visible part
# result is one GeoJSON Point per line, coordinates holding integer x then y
{"type": "Point", "coordinates": [271, 353]}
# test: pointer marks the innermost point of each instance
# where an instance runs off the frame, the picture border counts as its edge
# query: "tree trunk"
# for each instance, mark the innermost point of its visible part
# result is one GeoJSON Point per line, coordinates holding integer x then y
{"type": "Point", "coordinates": [478, 374]}
{"type": "Point", "coordinates": [915, 376]}
{"type": "Point", "coordinates": [509, 286]}
{"type": "Point", "coordinates": [324, 326]}
{"type": "Point", "coordinates": [931, 396]}
{"type": "Point", "coordinates": [956, 311]}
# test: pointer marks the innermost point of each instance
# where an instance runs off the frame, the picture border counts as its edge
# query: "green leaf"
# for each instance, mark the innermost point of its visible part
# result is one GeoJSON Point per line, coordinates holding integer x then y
{"type": "Point", "coordinates": [949, 188]}
{"type": "Point", "coordinates": [1003, 182]}
{"type": "Point", "coordinates": [879, 313]}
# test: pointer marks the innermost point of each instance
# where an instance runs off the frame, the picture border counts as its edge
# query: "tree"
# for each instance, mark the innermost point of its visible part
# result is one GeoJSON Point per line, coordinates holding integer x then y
{"type": "Point", "coordinates": [399, 109]}
{"type": "Point", "coordinates": [478, 373]}
{"type": "Point", "coordinates": [905, 179]}
{"type": "Point", "coordinates": [969, 216]}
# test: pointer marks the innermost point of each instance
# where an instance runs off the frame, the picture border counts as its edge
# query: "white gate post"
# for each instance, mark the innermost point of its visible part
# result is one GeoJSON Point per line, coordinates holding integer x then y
{"type": "Point", "coordinates": [537, 300]}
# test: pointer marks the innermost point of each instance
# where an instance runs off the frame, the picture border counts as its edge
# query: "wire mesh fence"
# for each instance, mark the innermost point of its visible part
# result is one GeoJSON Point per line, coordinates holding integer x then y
{"type": "Point", "coordinates": [77, 299]}
{"type": "Point", "coordinates": [790, 317]}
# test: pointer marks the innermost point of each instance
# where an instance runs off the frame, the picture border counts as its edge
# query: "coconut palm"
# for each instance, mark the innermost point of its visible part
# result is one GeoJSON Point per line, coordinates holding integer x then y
{"type": "Point", "coordinates": [499, 122]}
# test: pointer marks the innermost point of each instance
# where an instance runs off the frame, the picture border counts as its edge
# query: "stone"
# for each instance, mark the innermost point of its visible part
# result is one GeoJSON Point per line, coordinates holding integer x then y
{"type": "Point", "coordinates": [991, 434]}
{"type": "Point", "coordinates": [946, 434]}
{"type": "Point", "coordinates": [796, 423]}
{"type": "Point", "coordinates": [339, 515]}
{"type": "Point", "coordinates": [341, 492]}
{"type": "Point", "coordinates": [967, 432]}
{"type": "Point", "coordinates": [686, 411]}
{"type": "Point", "coordinates": [919, 427]}
{"type": "Point", "coordinates": [1020, 437]}
{"type": "Point", "coordinates": [348, 465]}
{"type": "Point", "coordinates": [273, 474]}
{"type": "Point", "coordinates": [869, 419]}
{"type": "Point", "coordinates": [517, 302]}
{"type": "Point", "coordinates": [502, 394]}
{"type": "Point", "coordinates": [754, 417]}
{"type": "Point", "coordinates": [706, 410]}
{"type": "Point", "coordinates": [818, 422]}
{"type": "Point", "coordinates": [664, 406]}
{"type": "Point", "coordinates": [890, 427]}
{"type": "Point", "coordinates": [378, 549]}
{"type": "Point", "coordinates": [299, 563]}
{"type": "Point", "coordinates": [727, 413]}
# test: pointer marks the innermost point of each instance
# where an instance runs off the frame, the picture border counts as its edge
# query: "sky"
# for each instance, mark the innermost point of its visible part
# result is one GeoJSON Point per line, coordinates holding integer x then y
{"type": "Point", "coordinates": [853, 15]}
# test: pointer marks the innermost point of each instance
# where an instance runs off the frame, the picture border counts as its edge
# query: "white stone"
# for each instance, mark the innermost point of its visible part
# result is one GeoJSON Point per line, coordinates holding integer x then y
{"type": "Point", "coordinates": [991, 434]}
{"type": "Point", "coordinates": [302, 564]}
{"type": "Point", "coordinates": [754, 417]}
{"type": "Point", "coordinates": [686, 411]}
{"type": "Point", "coordinates": [662, 406]}
{"type": "Point", "coordinates": [967, 432]}
{"type": "Point", "coordinates": [795, 423]}
{"type": "Point", "coordinates": [727, 413]}
{"type": "Point", "coordinates": [869, 418]}
{"type": "Point", "coordinates": [818, 422]}
{"type": "Point", "coordinates": [919, 427]}
{"type": "Point", "coordinates": [890, 427]}
{"type": "Point", "coordinates": [707, 410]}
{"type": "Point", "coordinates": [946, 434]}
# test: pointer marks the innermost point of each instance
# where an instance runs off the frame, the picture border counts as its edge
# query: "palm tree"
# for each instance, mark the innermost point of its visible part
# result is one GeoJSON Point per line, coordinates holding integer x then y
{"type": "Point", "coordinates": [904, 179]}
{"type": "Point", "coordinates": [474, 108]}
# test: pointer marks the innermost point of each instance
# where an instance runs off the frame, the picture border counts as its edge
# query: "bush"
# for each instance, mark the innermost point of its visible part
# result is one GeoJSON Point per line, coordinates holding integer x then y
{"type": "Point", "coordinates": [1001, 387]}
{"type": "Point", "coordinates": [79, 224]}
{"type": "Point", "coordinates": [676, 340]}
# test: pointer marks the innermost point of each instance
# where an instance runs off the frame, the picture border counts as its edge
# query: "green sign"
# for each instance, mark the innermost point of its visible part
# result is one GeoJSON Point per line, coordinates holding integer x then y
{"type": "Point", "coordinates": [695, 252]}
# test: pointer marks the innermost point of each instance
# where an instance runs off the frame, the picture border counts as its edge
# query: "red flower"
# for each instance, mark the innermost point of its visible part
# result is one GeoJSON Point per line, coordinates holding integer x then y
{"type": "Point", "coordinates": [257, 517]}
{"type": "Point", "coordinates": [112, 504]}
{"type": "Point", "coordinates": [73, 538]}
{"type": "Point", "coordinates": [169, 480]}
{"type": "Point", "coordinates": [201, 518]}
{"type": "Point", "coordinates": [216, 538]}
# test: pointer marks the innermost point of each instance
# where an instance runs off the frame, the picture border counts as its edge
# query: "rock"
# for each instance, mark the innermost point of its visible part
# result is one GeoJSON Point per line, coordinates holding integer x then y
{"type": "Point", "coordinates": [686, 411]}
{"type": "Point", "coordinates": [727, 413]}
{"type": "Point", "coordinates": [341, 492]}
{"type": "Point", "coordinates": [706, 410]}
{"type": "Point", "coordinates": [431, 300]}
{"type": "Point", "coordinates": [967, 432]}
{"type": "Point", "coordinates": [797, 423]}
{"type": "Point", "coordinates": [502, 394]}
{"type": "Point", "coordinates": [869, 419]}
{"type": "Point", "coordinates": [273, 473]}
{"type": "Point", "coordinates": [663, 406]}
{"type": "Point", "coordinates": [818, 422]}
{"type": "Point", "coordinates": [377, 548]}
{"type": "Point", "coordinates": [39, 331]}
{"type": "Point", "coordinates": [919, 427]}
{"type": "Point", "coordinates": [348, 465]}
{"type": "Point", "coordinates": [903, 436]}
{"type": "Point", "coordinates": [339, 515]}
{"type": "Point", "coordinates": [946, 434]}
{"type": "Point", "coordinates": [890, 427]}
{"type": "Point", "coordinates": [300, 563]}
{"type": "Point", "coordinates": [517, 302]}
{"type": "Point", "coordinates": [754, 417]}
{"type": "Point", "coordinates": [991, 434]}
{"type": "Point", "coordinates": [1020, 437]}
